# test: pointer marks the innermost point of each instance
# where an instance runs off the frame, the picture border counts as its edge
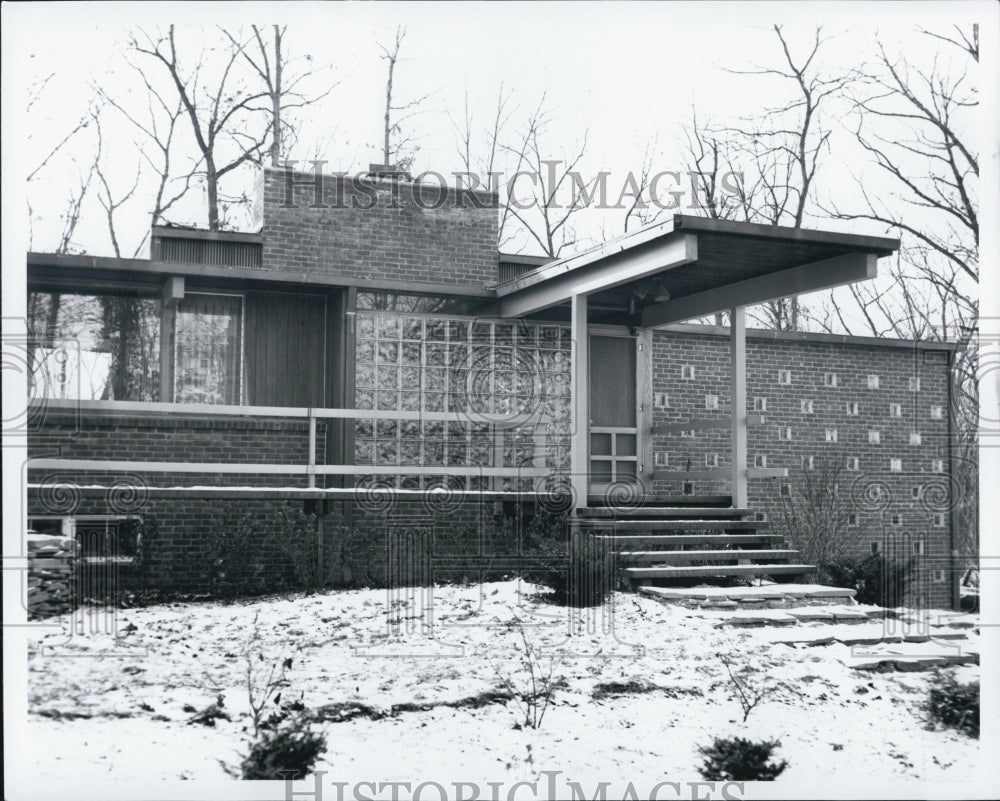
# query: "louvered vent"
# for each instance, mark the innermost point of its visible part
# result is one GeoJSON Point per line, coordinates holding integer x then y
{"type": "Point", "coordinates": [219, 253]}
{"type": "Point", "coordinates": [508, 271]}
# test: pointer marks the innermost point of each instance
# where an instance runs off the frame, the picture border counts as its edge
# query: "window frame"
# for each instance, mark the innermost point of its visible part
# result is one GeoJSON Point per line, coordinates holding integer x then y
{"type": "Point", "coordinates": [241, 361]}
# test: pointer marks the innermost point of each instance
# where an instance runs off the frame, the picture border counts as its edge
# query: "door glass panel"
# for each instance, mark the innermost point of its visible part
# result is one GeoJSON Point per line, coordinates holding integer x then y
{"type": "Point", "coordinates": [625, 445]}
{"type": "Point", "coordinates": [612, 381]}
{"type": "Point", "coordinates": [600, 472]}
{"type": "Point", "coordinates": [600, 444]}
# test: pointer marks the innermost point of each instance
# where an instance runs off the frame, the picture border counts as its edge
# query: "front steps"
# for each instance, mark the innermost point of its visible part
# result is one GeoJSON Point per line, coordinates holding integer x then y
{"type": "Point", "coordinates": [655, 544]}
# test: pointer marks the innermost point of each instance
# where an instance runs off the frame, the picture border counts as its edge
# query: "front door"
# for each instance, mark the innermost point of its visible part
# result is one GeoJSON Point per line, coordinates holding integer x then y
{"type": "Point", "coordinates": [614, 440]}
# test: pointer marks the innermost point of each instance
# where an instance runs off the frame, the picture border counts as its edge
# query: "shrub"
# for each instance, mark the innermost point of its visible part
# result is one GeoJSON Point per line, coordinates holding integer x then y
{"type": "Point", "coordinates": [737, 759]}
{"type": "Point", "coordinates": [953, 704]}
{"type": "Point", "coordinates": [579, 576]}
{"type": "Point", "coordinates": [289, 746]}
{"type": "Point", "coordinates": [878, 580]}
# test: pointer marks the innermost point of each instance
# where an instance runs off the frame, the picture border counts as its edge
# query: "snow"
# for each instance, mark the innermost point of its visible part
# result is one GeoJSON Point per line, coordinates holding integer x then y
{"type": "Point", "coordinates": [835, 723]}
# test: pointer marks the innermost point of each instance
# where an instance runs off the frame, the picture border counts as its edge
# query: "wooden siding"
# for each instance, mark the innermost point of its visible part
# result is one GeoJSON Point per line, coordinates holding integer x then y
{"type": "Point", "coordinates": [284, 350]}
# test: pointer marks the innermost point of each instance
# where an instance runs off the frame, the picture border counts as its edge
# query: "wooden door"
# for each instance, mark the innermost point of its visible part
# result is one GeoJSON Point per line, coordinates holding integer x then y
{"type": "Point", "coordinates": [614, 434]}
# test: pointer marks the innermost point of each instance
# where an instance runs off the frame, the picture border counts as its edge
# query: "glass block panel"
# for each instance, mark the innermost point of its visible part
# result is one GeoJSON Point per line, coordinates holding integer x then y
{"type": "Point", "coordinates": [409, 482]}
{"type": "Point", "coordinates": [411, 353]}
{"type": "Point", "coordinates": [413, 329]}
{"type": "Point", "coordinates": [409, 378]}
{"type": "Point", "coordinates": [409, 451]}
{"type": "Point", "coordinates": [503, 334]}
{"type": "Point", "coordinates": [365, 327]}
{"type": "Point", "coordinates": [482, 332]}
{"type": "Point", "coordinates": [388, 327]}
{"type": "Point", "coordinates": [600, 472]}
{"type": "Point", "coordinates": [409, 428]}
{"type": "Point", "coordinates": [600, 444]}
{"type": "Point", "coordinates": [456, 430]}
{"type": "Point", "coordinates": [458, 355]}
{"type": "Point", "coordinates": [457, 402]}
{"type": "Point", "coordinates": [435, 355]}
{"type": "Point", "coordinates": [364, 375]}
{"type": "Point", "coordinates": [388, 352]}
{"type": "Point", "coordinates": [625, 444]}
{"type": "Point", "coordinates": [434, 402]}
{"type": "Point", "coordinates": [435, 379]}
{"type": "Point", "coordinates": [386, 451]}
{"type": "Point", "coordinates": [458, 331]}
{"type": "Point", "coordinates": [479, 454]}
{"type": "Point", "coordinates": [433, 428]}
{"type": "Point", "coordinates": [457, 453]}
{"type": "Point", "coordinates": [434, 453]}
{"type": "Point", "coordinates": [364, 428]}
{"type": "Point", "coordinates": [409, 401]}
{"type": "Point", "coordinates": [364, 451]}
{"type": "Point", "coordinates": [364, 399]}
{"type": "Point", "coordinates": [365, 350]}
{"type": "Point", "coordinates": [436, 330]}
{"type": "Point", "coordinates": [387, 400]}
{"type": "Point", "coordinates": [388, 377]}
{"type": "Point", "coordinates": [387, 429]}
{"type": "Point", "coordinates": [455, 482]}
{"type": "Point", "coordinates": [456, 380]}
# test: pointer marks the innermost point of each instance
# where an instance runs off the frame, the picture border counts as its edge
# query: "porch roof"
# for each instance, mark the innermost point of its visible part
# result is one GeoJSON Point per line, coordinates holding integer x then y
{"type": "Point", "coordinates": [692, 266]}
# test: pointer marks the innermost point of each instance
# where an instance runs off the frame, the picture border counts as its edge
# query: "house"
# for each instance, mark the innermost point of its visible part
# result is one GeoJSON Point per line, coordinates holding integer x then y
{"type": "Point", "coordinates": [370, 359]}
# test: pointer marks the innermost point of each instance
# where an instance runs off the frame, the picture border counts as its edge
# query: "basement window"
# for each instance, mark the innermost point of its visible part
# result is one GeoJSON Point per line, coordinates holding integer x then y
{"type": "Point", "coordinates": [102, 538]}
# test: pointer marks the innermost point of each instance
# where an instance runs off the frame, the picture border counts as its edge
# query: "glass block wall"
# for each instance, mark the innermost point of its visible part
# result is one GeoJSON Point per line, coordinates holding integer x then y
{"type": "Point", "coordinates": [488, 393]}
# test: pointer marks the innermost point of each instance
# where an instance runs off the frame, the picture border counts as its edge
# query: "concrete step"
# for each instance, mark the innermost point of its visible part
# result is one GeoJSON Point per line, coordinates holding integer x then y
{"type": "Point", "coordinates": [692, 512]}
{"type": "Point", "coordinates": [791, 597]}
{"type": "Point", "coordinates": [724, 501]}
{"type": "Point", "coordinates": [639, 574]}
{"type": "Point", "coordinates": [686, 557]}
{"type": "Point", "coordinates": [669, 542]}
{"type": "Point", "coordinates": [670, 525]}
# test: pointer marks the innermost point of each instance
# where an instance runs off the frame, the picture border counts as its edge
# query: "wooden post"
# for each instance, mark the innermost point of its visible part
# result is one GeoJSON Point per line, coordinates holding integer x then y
{"type": "Point", "coordinates": [173, 293]}
{"type": "Point", "coordinates": [580, 389]}
{"type": "Point", "coordinates": [738, 393]}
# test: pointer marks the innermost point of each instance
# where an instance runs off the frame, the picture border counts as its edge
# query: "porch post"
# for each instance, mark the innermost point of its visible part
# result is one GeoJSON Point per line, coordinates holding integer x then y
{"type": "Point", "coordinates": [579, 447]}
{"type": "Point", "coordinates": [738, 393]}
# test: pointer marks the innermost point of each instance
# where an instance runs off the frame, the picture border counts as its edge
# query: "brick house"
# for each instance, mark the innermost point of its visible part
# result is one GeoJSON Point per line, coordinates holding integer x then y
{"type": "Point", "coordinates": [372, 363]}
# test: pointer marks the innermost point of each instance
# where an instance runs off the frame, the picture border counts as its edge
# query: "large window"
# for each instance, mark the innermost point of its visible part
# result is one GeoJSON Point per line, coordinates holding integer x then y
{"type": "Point", "coordinates": [94, 347]}
{"type": "Point", "coordinates": [208, 349]}
{"type": "Point", "coordinates": [107, 347]}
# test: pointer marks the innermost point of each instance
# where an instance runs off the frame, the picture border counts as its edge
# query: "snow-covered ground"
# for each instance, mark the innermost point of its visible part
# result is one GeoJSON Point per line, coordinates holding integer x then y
{"type": "Point", "coordinates": [119, 707]}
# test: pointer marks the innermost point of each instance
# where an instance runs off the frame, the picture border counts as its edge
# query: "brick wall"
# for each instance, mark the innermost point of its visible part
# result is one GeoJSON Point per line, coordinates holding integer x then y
{"type": "Point", "coordinates": [378, 230]}
{"type": "Point", "coordinates": [896, 489]}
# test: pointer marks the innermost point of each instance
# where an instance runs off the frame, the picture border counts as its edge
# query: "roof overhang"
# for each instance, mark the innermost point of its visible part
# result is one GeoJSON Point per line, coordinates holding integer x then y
{"type": "Point", "coordinates": [699, 266]}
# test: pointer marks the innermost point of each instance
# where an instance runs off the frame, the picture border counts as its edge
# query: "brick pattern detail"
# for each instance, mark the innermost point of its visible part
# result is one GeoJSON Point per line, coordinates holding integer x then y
{"type": "Point", "coordinates": [390, 231]}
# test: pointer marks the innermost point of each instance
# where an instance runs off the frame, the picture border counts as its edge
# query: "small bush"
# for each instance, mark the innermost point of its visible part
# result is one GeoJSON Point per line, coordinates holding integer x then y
{"type": "Point", "coordinates": [878, 580]}
{"type": "Point", "coordinates": [737, 759]}
{"type": "Point", "coordinates": [953, 704]}
{"type": "Point", "coordinates": [290, 746]}
{"type": "Point", "coordinates": [578, 575]}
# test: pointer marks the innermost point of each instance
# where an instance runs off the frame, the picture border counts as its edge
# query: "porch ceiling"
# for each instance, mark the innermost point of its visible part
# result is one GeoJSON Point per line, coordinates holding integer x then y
{"type": "Point", "coordinates": [691, 266]}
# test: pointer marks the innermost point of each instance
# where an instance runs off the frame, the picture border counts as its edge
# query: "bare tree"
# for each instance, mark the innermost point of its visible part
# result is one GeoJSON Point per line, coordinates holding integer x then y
{"type": "Point", "coordinates": [105, 196]}
{"type": "Point", "coordinates": [398, 145]}
{"type": "Point", "coordinates": [228, 120]}
{"type": "Point", "coordinates": [777, 153]}
{"type": "Point", "coordinates": [914, 123]}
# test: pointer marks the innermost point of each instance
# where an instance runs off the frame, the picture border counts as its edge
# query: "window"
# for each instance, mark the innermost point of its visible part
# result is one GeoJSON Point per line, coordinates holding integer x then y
{"type": "Point", "coordinates": [831, 435]}
{"type": "Point", "coordinates": [895, 410]}
{"type": "Point", "coordinates": [937, 412]}
{"type": "Point", "coordinates": [687, 372]}
{"type": "Point", "coordinates": [895, 465]}
{"type": "Point", "coordinates": [94, 347]}
{"type": "Point", "coordinates": [807, 407]}
{"type": "Point", "coordinates": [874, 437]}
{"type": "Point", "coordinates": [209, 349]}
{"type": "Point", "coordinates": [853, 408]}
{"type": "Point", "coordinates": [784, 377]}
{"type": "Point", "coordinates": [853, 463]}
{"type": "Point", "coordinates": [102, 538]}
{"type": "Point", "coordinates": [829, 379]}
{"type": "Point", "coordinates": [760, 404]}
{"type": "Point", "coordinates": [873, 382]}
{"type": "Point", "coordinates": [711, 403]}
